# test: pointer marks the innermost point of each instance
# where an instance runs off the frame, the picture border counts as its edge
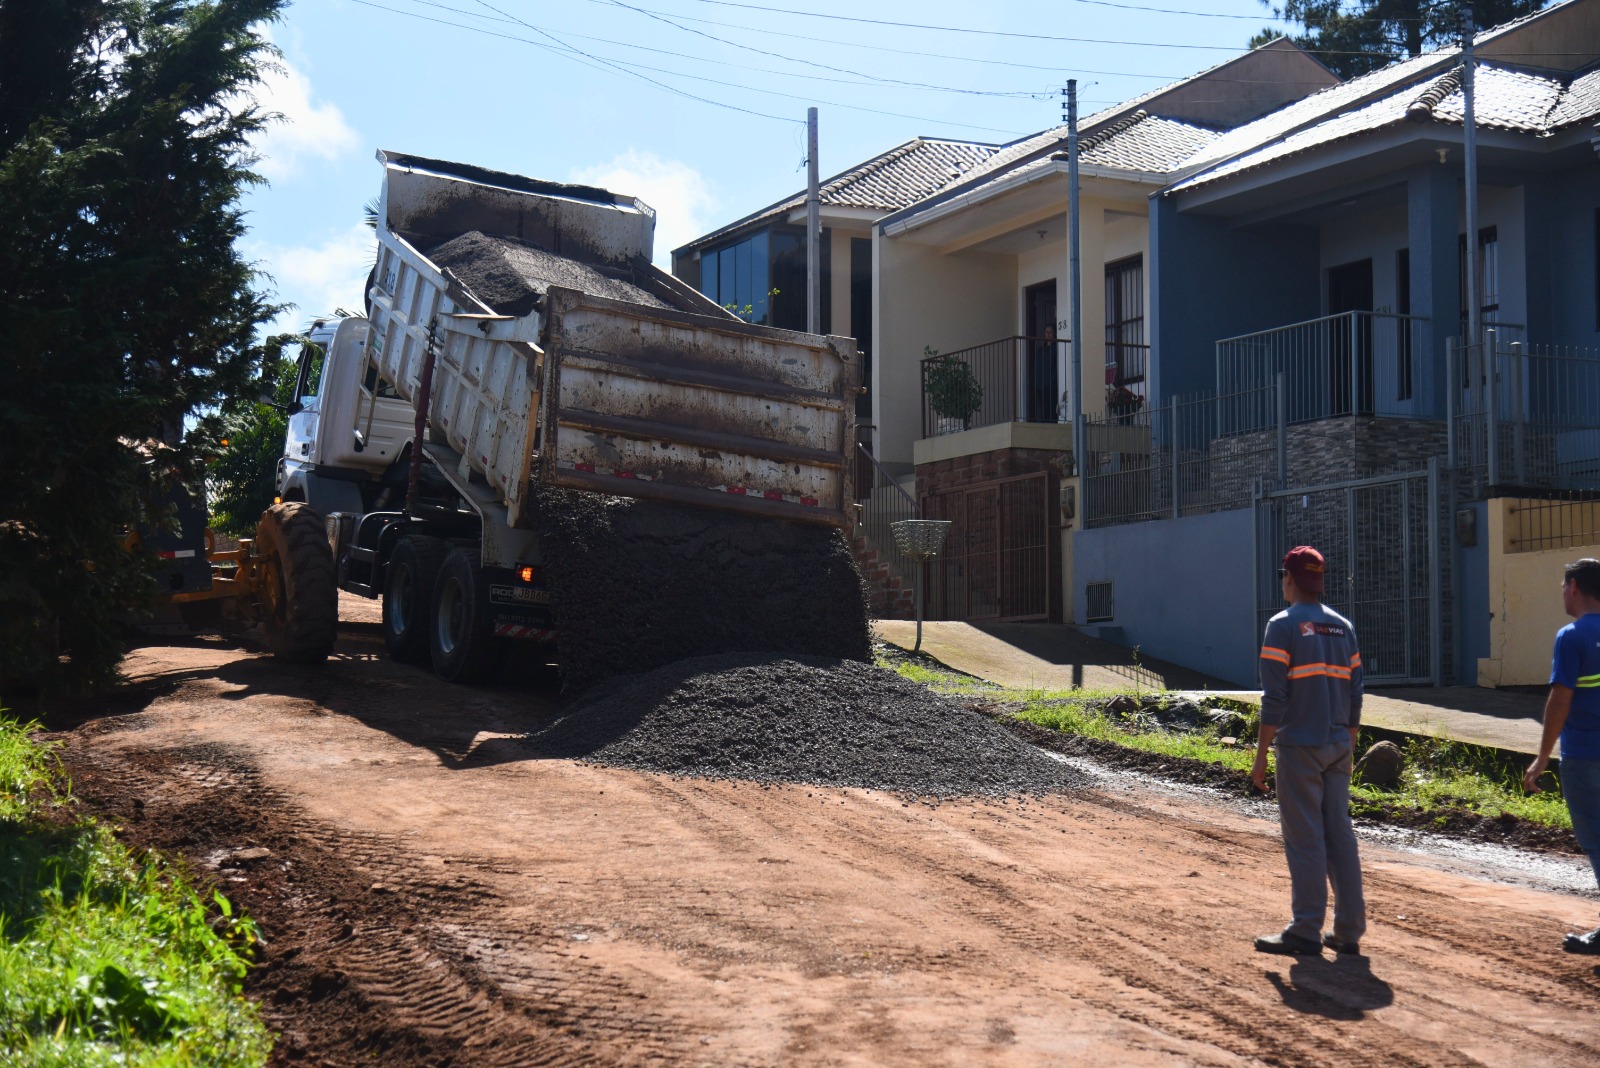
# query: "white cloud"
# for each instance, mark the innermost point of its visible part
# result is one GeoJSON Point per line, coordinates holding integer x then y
{"type": "Point", "coordinates": [678, 193]}
{"type": "Point", "coordinates": [317, 277]}
{"type": "Point", "coordinates": [307, 130]}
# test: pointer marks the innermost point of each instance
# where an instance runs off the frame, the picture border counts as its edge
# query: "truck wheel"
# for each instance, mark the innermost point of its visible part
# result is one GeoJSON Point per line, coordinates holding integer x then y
{"type": "Point", "coordinates": [461, 640]}
{"type": "Point", "coordinates": [408, 596]}
{"type": "Point", "coordinates": [300, 591]}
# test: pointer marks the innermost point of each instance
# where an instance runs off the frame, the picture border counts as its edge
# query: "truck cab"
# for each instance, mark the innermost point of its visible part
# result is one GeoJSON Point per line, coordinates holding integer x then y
{"type": "Point", "coordinates": [347, 426]}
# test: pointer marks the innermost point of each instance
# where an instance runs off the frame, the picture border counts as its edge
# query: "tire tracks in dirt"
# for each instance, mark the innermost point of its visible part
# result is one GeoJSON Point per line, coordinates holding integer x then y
{"type": "Point", "coordinates": [421, 982]}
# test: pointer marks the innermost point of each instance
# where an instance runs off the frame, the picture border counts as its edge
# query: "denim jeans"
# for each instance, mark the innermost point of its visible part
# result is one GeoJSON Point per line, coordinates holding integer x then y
{"type": "Point", "coordinates": [1580, 785]}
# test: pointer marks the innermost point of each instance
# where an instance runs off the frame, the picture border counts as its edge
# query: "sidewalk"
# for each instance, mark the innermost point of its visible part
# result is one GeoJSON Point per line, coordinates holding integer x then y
{"type": "Point", "coordinates": [1056, 657]}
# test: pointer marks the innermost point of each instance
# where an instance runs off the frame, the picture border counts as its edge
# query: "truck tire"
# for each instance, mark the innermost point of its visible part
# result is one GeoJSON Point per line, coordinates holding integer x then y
{"type": "Point", "coordinates": [461, 640]}
{"type": "Point", "coordinates": [302, 594]}
{"type": "Point", "coordinates": [408, 596]}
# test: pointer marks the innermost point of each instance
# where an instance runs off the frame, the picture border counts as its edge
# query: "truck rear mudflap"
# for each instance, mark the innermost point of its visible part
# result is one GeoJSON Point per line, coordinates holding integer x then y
{"type": "Point", "coordinates": [694, 409]}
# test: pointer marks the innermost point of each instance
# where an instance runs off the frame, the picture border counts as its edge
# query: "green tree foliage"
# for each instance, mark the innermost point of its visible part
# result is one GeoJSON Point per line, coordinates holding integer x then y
{"type": "Point", "coordinates": [242, 480]}
{"type": "Point", "coordinates": [1353, 37]}
{"type": "Point", "coordinates": [124, 305]}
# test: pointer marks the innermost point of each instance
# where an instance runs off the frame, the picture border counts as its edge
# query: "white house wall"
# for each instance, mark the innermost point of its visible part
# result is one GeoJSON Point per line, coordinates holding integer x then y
{"type": "Point", "coordinates": [922, 298]}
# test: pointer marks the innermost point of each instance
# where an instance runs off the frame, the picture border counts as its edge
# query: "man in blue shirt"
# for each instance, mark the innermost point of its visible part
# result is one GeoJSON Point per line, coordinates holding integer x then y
{"type": "Point", "coordinates": [1311, 713]}
{"type": "Point", "coordinates": [1572, 713]}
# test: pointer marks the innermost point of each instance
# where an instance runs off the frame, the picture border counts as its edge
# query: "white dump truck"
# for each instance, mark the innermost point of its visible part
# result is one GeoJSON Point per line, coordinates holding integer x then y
{"type": "Point", "coordinates": [517, 337]}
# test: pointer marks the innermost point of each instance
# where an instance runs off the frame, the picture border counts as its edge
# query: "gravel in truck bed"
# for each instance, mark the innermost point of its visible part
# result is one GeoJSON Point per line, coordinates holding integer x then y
{"type": "Point", "coordinates": [788, 719]}
{"type": "Point", "coordinates": [641, 584]}
{"type": "Point", "coordinates": [512, 277]}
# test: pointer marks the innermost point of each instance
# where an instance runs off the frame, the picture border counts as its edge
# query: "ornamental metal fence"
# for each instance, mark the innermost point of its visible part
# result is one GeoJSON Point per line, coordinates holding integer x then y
{"type": "Point", "coordinates": [1523, 416]}
{"type": "Point", "coordinates": [1193, 455]}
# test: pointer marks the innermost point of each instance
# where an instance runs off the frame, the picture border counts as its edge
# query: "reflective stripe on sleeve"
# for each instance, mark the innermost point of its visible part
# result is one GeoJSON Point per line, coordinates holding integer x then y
{"type": "Point", "coordinates": [1269, 652]}
{"type": "Point", "coordinates": [1588, 682]}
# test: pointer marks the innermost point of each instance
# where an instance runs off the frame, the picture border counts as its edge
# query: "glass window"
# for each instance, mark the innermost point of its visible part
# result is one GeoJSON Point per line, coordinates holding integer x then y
{"type": "Point", "coordinates": [1125, 345]}
{"type": "Point", "coordinates": [710, 283]}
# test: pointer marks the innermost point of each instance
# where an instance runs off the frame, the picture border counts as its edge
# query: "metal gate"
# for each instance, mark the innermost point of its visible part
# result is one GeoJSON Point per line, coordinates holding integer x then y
{"type": "Point", "coordinates": [1380, 537]}
{"type": "Point", "coordinates": [997, 562]}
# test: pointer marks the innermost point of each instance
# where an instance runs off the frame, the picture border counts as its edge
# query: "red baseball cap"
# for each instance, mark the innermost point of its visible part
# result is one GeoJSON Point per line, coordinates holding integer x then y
{"type": "Point", "coordinates": [1307, 566]}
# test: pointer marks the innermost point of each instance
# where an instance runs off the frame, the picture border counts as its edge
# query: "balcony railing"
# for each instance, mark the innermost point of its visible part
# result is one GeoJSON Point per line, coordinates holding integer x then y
{"type": "Point", "coordinates": [1015, 379]}
{"type": "Point", "coordinates": [1353, 363]}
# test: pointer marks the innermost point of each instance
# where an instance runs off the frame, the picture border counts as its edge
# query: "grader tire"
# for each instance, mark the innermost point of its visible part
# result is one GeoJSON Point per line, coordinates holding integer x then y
{"type": "Point", "coordinates": [303, 621]}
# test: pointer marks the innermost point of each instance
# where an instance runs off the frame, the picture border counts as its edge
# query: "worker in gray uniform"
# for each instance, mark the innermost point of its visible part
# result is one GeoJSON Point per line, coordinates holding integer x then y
{"type": "Point", "coordinates": [1311, 714]}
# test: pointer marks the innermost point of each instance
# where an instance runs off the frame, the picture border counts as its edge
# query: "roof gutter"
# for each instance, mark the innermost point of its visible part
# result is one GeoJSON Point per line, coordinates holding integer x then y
{"type": "Point", "coordinates": [902, 222]}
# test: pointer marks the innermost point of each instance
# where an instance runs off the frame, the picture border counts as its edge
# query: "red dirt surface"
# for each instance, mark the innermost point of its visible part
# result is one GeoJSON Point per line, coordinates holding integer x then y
{"type": "Point", "coordinates": [434, 893]}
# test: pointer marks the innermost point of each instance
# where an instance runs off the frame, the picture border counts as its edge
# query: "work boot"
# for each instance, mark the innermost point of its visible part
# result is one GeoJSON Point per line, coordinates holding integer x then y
{"type": "Point", "coordinates": [1288, 944]}
{"type": "Point", "coordinates": [1341, 947]}
{"type": "Point", "coordinates": [1588, 942]}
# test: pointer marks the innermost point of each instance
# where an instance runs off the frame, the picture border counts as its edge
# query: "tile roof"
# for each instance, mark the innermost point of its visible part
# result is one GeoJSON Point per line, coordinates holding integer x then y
{"type": "Point", "coordinates": [895, 179]}
{"type": "Point", "coordinates": [1506, 99]}
{"type": "Point", "coordinates": [1148, 143]}
{"type": "Point", "coordinates": [1580, 103]}
{"type": "Point", "coordinates": [1318, 106]}
{"type": "Point", "coordinates": [1423, 88]}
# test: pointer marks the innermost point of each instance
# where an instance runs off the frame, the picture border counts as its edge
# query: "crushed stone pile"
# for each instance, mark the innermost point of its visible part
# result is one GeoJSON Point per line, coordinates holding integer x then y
{"type": "Point", "coordinates": [794, 719]}
{"type": "Point", "coordinates": [640, 584]}
{"type": "Point", "coordinates": [512, 277]}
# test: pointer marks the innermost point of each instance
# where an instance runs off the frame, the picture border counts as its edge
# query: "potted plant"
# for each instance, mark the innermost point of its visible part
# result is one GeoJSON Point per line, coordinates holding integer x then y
{"type": "Point", "coordinates": [953, 390]}
{"type": "Point", "coordinates": [1122, 403]}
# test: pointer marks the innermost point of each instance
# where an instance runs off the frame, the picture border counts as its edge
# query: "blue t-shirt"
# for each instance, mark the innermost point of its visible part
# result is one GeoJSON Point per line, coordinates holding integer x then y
{"type": "Point", "coordinates": [1576, 665]}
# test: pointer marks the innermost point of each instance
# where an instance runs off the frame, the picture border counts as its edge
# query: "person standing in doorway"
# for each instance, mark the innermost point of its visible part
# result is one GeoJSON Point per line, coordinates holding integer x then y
{"type": "Point", "coordinates": [1311, 715]}
{"type": "Point", "coordinates": [1042, 378]}
{"type": "Point", "coordinates": [1572, 713]}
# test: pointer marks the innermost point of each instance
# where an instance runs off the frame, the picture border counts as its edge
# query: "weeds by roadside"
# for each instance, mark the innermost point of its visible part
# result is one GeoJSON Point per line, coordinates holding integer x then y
{"type": "Point", "coordinates": [1442, 777]}
{"type": "Point", "coordinates": [108, 959]}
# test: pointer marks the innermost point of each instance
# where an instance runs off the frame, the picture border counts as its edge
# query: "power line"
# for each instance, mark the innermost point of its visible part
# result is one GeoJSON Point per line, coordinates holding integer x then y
{"type": "Point", "coordinates": [1053, 68]}
{"type": "Point", "coordinates": [861, 78]}
{"type": "Point", "coordinates": [1007, 33]}
{"type": "Point", "coordinates": [790, 59]}
{"type": "Point", "coordinates": [624, 67]}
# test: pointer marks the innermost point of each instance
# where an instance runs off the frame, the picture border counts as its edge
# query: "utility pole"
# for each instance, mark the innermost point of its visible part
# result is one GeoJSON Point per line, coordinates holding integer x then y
{"type": "Point", "coordinates": [1469, 139]}
{"type": "Point", "coordinates": [1079, 438]}
{"type": "Point", "coordinates": [813, 230]}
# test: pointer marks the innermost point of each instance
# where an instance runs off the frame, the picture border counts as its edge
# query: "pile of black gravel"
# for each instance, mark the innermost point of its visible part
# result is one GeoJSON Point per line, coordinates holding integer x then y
{"type": "Point", "coordinates": [789, 719]}
{"type": "Point", "coordinates": [512, 276]}
{"type": "Point", "coordinates": [642, 584]}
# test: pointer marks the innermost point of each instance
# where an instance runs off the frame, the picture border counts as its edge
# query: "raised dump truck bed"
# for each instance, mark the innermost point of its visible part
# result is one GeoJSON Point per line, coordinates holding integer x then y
{"type": "Point", "coordinates": [662, 396]}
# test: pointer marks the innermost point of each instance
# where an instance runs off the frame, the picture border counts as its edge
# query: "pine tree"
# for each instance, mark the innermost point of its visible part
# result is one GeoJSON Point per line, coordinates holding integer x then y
{"type": "Point", "coordinates": [1353, 37]}
{"type": "Point", "coordinates": [125, 307]}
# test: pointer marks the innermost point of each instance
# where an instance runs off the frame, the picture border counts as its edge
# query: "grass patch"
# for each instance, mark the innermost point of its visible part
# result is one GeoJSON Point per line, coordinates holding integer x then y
{"type": "Point", "coordinates": [108, 959]}
{"type": "Point", "coordinates": [1441, 774]}
{"type": "Point", "coordinates": [1079, 713]}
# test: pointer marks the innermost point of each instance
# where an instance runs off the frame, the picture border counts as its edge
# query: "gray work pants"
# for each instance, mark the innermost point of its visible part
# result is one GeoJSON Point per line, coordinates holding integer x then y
{"type": "Point", "coordinates": [1314, 809]}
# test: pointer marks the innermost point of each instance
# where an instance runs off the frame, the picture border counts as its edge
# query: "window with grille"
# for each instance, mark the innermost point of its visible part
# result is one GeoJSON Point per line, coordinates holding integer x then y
{"type": "Point", "coordinates": [1102, 606]}
{"type": "Point", "coordinates": [1488, 277]}
{"type": "Point", "coordinates": [1126, 350]}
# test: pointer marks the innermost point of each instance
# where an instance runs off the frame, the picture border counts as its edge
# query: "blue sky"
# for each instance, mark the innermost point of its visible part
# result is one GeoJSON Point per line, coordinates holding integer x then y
{"type": "Point", "coordinates": [358, 76]}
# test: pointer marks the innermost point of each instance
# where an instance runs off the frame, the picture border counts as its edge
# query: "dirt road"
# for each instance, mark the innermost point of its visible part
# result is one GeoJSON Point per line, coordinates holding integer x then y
{"type": "Point", "coordinates": [433, 891]}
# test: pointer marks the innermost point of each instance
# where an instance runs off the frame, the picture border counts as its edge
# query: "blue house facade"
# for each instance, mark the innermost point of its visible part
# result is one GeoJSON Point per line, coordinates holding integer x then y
{"type": "Point", "coordinates": [1313, 374]}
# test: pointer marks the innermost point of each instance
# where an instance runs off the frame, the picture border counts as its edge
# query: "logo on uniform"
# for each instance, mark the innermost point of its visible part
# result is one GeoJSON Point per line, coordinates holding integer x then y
{"type": "Point", "coordinates": [1311, 630]}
